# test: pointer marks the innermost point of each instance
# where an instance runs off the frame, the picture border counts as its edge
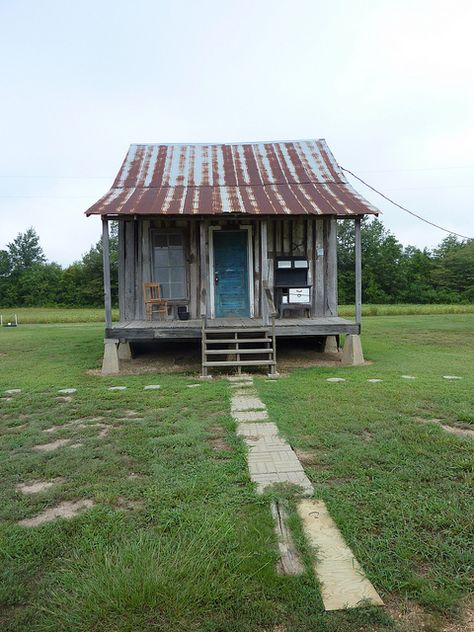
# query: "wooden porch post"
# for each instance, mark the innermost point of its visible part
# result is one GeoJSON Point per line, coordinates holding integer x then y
{"type": "Point", "coordinates": [264, 267]}
{"type": "Point", "coordinates": [358, 272]}
{"type": "Point", "coordinates": [331, 266]}
{"type": "Point", "coordinates": [106, 262]}
{"type": "Point", "coordinates": [203, 259]}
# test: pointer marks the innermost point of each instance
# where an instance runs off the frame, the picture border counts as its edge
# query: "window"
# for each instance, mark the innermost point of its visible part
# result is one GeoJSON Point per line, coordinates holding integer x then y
{"type": "Point", "coordinates": [169, 265]}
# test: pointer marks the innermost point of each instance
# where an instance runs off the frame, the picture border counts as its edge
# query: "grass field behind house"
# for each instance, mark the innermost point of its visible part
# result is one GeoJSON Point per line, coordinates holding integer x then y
{"type": "Point", "coordinates": [177, 539]}
{"type": "Point", "coordinates": [51, 315]}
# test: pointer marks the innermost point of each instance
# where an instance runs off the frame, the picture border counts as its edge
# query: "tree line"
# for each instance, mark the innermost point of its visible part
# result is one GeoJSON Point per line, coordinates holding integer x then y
{"type": "Point", "coordinates": [391, 273]}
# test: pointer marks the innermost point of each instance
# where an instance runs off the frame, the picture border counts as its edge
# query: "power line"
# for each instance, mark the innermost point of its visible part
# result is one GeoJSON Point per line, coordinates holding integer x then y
{"type": "Point", "coordinates": [416, 169]}
{"type": "Point", "coordinates": [28, 177]}
{"type": "Point", "coordinates": [446, 230]}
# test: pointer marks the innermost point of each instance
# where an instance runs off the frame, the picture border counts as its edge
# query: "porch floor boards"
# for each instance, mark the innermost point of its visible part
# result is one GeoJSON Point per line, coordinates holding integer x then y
{"type": "Point", "coordinates": [177, 329]}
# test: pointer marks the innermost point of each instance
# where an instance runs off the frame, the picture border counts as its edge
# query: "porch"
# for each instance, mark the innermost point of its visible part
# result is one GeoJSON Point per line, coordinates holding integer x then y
{"type": "Point", "coordinates": [136, 330]}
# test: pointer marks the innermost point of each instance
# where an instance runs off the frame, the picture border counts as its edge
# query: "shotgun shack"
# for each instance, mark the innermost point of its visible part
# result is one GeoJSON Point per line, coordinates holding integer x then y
{"type": "Point", "coordinates": [235, 243]}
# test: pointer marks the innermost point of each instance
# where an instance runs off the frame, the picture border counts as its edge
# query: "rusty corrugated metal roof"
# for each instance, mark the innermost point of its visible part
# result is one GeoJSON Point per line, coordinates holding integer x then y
{"type": "Point", "coordinates": [281, 178]}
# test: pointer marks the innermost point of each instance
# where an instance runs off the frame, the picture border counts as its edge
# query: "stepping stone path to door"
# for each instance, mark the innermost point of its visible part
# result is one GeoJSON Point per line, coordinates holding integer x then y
{"type": "Point", "coordinates": [271, 460]}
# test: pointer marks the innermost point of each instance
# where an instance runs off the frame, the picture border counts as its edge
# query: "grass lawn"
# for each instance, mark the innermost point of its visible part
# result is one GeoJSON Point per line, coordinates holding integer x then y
{"type": "Point", "coordinates": [50, 315]}
{"type": "Point", "coordinates": [177, 540]}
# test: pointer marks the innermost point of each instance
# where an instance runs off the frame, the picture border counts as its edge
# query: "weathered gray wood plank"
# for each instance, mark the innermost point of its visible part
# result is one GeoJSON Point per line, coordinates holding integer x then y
{"type": "Point", "coordinates": [319, 269]}
{"type": "Point", "coordinates": [331, 266]}
{"type": "Point", "coordinates": [358, 272]}
{"type": "Point", "coordinates": [121, 267]}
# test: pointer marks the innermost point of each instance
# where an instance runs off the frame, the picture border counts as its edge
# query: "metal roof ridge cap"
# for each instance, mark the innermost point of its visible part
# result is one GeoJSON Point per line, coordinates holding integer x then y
{"type": "Point", "coordinates": [220, 144]}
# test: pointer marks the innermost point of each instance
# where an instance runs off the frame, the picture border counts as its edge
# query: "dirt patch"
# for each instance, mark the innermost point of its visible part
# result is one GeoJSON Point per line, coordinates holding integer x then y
{"type": "Point", "coordinates": [306, 457]}
{"type": "Point", "coordinates": [334, 481]}
{"type": "Point", "coordinates": [35, 487]}
{"type": "Point", "coordinates": [219, 444]}
{"type": "Point", "coordinates": [423, 569]}
{"type": "Point", "coordinates": [67, 509]}
{"type": "Point", "coordinates": [16, 428]}
{"type": "Point", "coordinates": [64, 399]}
{"type": "Point", "coordinates": [217, 431]}
{"type": "Point", "coordinates": [125, 504]}
{"type": "Point", "coordinates": [411, 617]}
{"type": "Point", "coordinates": [455, 430]}
{"type": "Point", "coordinates": [367, 435]}
{"type": "Point", "coordinates": [104, 430]}
{"type": "Point", "coordinates": [54, 445]}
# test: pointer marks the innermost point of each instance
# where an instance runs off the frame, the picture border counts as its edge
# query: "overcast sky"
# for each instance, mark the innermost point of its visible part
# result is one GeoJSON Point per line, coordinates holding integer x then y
{"type": "Point", "coordinates": [388, 83]}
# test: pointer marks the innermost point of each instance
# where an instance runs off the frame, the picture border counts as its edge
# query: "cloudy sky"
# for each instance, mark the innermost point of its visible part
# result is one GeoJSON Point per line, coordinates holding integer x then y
{"type": "Point", "coordinates": [388, 83]}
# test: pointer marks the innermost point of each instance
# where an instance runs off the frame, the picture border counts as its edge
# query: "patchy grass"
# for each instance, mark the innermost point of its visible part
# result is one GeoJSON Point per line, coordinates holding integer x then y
{"type": "Point", "coordinates": [176, 538]}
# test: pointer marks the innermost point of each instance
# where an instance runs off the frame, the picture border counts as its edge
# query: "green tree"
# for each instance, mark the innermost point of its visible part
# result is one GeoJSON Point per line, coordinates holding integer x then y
{"type": "Point", "coordinates": [25, 251]}
{"type": "Point", "coordinates": [383, 279]}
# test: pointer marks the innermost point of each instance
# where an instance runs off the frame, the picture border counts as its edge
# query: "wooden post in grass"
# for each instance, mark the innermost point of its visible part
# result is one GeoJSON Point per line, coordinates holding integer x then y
{"type": "Point", "coordinates": [106, 261]}
{"type": "Point", "coordinates": [358, 272]}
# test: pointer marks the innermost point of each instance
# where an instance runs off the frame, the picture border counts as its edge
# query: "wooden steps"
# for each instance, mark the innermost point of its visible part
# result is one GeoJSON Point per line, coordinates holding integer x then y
{"type": "Point", "coordinates": [240, 346]}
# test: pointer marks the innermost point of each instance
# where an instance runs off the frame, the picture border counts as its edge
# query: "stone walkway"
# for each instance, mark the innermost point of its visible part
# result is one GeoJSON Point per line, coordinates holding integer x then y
{"type": "Point", "coordinates": [270, 460]}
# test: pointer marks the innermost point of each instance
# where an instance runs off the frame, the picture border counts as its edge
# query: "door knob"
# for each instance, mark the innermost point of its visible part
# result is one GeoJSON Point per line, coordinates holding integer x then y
{"type": "Point", "coordinates": [216, 278]}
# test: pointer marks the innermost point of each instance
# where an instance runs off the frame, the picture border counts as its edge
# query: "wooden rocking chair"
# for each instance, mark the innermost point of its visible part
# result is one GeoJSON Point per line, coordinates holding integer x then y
{"type": "Point", "coordinates": [153, 301]}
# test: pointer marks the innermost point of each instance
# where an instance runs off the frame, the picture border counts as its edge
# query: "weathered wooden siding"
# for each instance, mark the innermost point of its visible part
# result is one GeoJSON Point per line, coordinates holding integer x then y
{"type": "Point", "coordinates": [315, 238]}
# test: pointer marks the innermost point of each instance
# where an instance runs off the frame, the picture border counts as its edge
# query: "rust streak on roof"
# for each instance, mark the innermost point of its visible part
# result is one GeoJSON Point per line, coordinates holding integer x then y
{"type": "Point", "coordinates": [284, 178]}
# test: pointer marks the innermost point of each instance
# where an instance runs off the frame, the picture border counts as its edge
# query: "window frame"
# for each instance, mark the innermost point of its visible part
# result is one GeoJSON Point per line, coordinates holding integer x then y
{"type": "Point", "coordinates": [171, 231]}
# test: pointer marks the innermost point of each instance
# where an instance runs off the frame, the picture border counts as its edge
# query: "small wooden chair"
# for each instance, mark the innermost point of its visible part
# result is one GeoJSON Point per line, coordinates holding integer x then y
{"type": "Point", "coordinates": [153, 301]}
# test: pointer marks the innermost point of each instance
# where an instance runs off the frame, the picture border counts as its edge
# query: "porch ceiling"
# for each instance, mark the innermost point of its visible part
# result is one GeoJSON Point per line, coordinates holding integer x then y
{"type": "Point", "coordinates": [275, 178]}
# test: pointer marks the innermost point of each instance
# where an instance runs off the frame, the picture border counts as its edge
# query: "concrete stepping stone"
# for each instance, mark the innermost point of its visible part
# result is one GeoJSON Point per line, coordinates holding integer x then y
{"type": "Point", "coordinates": [408, 377]}
{"type": "Point", "coordinates": [257, 430]}
{"type": "Point", "coordinates": [343, 583]}
{"type": "Point", "coordinates": [374, 380]}
{"type": "Point", "coordinates": [67, 391]}
{"type": "Point", "coordinates": [67, 509]}
{"type": "Point", "coordinates": [192, 385]}
{"type": "Point", "coordinates": [452, 377]}
{"type": "Point", "coordinates": [117, 388]}
{"type": "Point", "coordinates": [249, 416]}
{"type": "Point", "coordinates": [152, 387]}
{"type": "Point", "coordinates": [242, 403]}
{"type": "Point", "coordinates": [50, 447]}
{"type": "Point", "coordinates": [240, 378]}
{"type": "Point", "coordinates": [13, 391]}
{"type": "Point", "coordinates": [335, 379]}
{"type": "Point", "coordinates": [270, 459]}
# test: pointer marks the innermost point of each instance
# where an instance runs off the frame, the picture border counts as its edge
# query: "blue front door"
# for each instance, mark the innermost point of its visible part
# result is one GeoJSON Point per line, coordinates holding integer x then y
{"type": "Point", "coordinates": [231, 277]}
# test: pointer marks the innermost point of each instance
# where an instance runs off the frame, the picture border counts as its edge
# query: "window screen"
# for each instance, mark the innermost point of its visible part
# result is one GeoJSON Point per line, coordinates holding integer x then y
{"type": "Point", "coordinates": [169, 266]}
